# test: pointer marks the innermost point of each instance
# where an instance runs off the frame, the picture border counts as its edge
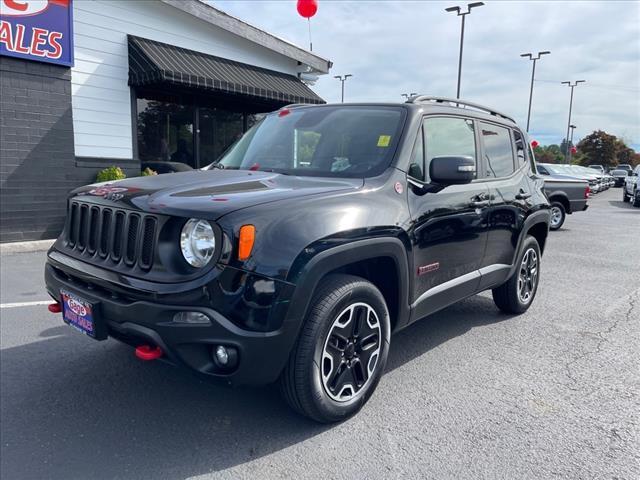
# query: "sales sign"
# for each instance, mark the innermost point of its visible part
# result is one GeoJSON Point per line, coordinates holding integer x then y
{"type": "Point", "coordinates": [40, 30]}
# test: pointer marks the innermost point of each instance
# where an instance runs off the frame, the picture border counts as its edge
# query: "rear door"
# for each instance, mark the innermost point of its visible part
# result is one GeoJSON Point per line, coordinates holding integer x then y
{"type": "Point", "coordinates": [449, 227]}
{"type": "Point", "coordinates": [506, 171]}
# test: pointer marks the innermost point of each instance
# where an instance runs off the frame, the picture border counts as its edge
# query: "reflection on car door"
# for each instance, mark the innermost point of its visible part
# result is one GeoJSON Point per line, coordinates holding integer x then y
{"type": "Point", "coordinates": [449, 228]}
{"type": "Point", "coordinates": [505, 162]}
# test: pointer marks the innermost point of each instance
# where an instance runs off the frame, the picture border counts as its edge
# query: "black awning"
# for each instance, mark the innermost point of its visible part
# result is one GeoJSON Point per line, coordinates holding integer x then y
{"type": "Point", "coordinates": [152, 63]}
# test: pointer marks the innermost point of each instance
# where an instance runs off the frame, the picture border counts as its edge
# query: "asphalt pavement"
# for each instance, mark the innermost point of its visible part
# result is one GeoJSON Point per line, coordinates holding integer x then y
{"type": "Point", "coordinates": [469, 393]}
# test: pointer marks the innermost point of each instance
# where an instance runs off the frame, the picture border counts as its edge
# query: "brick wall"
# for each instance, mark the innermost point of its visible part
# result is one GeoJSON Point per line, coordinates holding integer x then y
{"type": "Point", "coordinates": [37, 162]}
{"type": "Point", "coordinates": [36, 148]}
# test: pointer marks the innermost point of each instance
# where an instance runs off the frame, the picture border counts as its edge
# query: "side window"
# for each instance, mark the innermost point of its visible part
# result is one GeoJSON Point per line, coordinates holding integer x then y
{"type": "Point", "coordinates": [416, 167]}
{"type": "Point", "coordinates": [498, 150]}
{"type": "Point", "coordinates": [521, 157]}
{"type": "Point", "coordinates": [448, 136]}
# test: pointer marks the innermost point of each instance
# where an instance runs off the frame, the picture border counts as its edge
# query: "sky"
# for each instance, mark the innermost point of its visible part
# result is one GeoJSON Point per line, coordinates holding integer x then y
{"type": "Point", "coordinates": [395, 47]}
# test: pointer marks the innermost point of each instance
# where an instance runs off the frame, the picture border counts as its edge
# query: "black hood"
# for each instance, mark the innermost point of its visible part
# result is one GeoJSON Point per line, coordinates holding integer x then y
{"type": "Point", "coordinates": [209, 194]}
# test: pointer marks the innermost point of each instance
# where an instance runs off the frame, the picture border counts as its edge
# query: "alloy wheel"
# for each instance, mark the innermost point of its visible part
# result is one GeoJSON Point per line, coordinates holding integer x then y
{"type": "Point", "coordinates": [351, 351]}
{"type": "Point", "coordinates": [528, 276]}
{"type": "Point", "coordinates": [556, 216]}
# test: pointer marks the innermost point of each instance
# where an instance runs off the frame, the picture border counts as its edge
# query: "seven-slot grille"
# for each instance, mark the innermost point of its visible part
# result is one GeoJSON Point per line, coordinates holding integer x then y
{"type": "Point", "coordinates": [122, 236]}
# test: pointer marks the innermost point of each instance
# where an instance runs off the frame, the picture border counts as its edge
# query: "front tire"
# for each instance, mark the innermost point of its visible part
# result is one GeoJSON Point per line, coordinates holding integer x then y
{"type": "Point", "coordinates": [342, 350]}
{"type": "Point", "coordinates": [636, 198]}
{"type": "Point", "coordinates": [558, 216]}
{"type": "Point", "coordinates": [516, 294]}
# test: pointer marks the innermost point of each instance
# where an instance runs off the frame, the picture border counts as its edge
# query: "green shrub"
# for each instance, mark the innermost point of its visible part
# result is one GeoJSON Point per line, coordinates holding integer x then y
{"type": "Point", "coordinates": [109, 174]}
{"type": "Point", "coordinates": [147, 172]}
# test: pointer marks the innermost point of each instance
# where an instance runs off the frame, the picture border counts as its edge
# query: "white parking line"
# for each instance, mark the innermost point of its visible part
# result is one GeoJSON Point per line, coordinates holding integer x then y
{"type": "Point", "coordinates": [25, 304]}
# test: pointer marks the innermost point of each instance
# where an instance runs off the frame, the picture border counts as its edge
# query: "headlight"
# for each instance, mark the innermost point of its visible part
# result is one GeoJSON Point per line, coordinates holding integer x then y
{"type": "Point", "coordinates": [197, 242]}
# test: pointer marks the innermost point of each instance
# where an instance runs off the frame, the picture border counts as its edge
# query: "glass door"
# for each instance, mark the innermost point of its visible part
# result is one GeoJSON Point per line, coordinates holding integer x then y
{"type": "Point", "coordinates": [166, 132]}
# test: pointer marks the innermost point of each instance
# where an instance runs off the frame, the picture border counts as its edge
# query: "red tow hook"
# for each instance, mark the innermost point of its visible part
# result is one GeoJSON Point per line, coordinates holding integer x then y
{"type": "Point", "coordinates": [55, 308]}
{"type": "Point", "coordinates": [148, 353]}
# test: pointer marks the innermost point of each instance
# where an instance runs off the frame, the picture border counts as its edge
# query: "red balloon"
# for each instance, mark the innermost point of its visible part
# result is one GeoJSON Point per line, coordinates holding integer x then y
{"type": "Point", "coordinates": [574, 150]}
{"type": "Point", "coordinates": [534, 144]}
{"type": "Point", "coordinates": [307, 8]}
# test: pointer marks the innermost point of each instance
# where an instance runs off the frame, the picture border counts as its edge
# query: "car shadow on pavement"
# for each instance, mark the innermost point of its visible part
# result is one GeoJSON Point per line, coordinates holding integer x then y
{"type": "Point", "coordinates": [76, 409]}
{"type": "Point", "coordinates": [624, 205]}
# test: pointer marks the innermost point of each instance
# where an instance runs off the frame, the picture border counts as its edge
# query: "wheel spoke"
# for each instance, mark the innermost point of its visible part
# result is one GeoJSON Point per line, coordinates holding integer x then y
{"type": "Point", "coordinates": [359, 373]}
{"type": "Point", "coordinates": [341, 378]}
{"type": "Point", "coordinates": [359, 319]}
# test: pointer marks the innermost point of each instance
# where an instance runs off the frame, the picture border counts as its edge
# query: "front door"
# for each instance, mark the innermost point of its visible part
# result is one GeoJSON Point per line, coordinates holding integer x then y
{"type": "Point", "coordinates": [449, 228]}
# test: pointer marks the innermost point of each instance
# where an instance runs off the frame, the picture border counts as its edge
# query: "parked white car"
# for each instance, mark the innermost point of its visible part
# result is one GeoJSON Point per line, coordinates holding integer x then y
{"type": "Point", "coordinates": [631, 187]}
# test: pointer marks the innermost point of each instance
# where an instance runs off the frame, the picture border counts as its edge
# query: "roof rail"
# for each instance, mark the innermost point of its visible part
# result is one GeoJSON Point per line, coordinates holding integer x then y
{"type": "Point", "coordinates": [457, 102]}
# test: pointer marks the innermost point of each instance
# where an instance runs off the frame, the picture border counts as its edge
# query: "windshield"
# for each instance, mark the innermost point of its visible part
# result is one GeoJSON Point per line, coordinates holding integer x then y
{"type": "Point", "coordinates": [354, 141]}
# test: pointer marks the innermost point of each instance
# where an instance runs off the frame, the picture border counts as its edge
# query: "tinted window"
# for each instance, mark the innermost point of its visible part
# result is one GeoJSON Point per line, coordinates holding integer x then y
{"type": "Point", "coordinates": [446, 136]}
{"type": "Point", "coordinates": [520, 148]}
{"type": "Point", "coordinates": [416, 166]}
{"type": "Point", "coordinates": [498, 150]}
{"type": "Point", "coordinates": [320, 141]}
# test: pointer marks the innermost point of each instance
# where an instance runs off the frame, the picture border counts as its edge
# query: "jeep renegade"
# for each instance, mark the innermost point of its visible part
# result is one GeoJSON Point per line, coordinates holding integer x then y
{"type": "Point", "coordinates": [316, 236]}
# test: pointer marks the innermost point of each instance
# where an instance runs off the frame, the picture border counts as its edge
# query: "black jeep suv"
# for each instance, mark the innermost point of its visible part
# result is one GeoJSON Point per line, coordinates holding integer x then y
{"type": "Point", "coordinates": [321, 232]}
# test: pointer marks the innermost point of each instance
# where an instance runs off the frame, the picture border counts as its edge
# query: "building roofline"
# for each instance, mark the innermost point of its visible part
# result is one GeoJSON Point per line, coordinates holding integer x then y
{"type": "Point", "coordinates": [223, 20]}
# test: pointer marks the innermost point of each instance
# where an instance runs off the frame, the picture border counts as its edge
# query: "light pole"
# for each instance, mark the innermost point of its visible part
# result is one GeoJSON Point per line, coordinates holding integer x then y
{"type": "Point", "coordinates": [570, 146]}
{"type": "Point", "coordinates": [343, 79]}
{"type": "Point", "coordinates": [533, 74]}
{"type": "Point", "coordinates": [462, 14]}
{"type": "Point", "coordinates": [572, 85]}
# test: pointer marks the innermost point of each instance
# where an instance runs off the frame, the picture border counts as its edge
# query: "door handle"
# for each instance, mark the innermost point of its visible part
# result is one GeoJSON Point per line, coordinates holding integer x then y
{"type": "Point", "coordinates": [522, 196]}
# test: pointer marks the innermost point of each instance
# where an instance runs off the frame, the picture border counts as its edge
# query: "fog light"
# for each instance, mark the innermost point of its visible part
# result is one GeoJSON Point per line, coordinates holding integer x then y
{"type": "Point", "coordinates": [222, 355]}
{"type": "Point", "coordinates": [196, 318]}
{"type": "Point", "coordinates": [225, 357]}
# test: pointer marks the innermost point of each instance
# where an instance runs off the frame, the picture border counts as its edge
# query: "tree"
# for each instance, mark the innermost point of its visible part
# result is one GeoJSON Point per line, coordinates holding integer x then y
{"type": "Point", "coordinates": [599, 148]}
{"type": "Point", "coordinates": [625, 154]}
{"type": "Point", "coordinates": [549, 154]}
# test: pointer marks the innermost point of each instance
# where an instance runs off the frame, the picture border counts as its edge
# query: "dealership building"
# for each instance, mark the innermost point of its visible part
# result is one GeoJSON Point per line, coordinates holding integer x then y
{"type": "Point", "coordinates": [88, 84]}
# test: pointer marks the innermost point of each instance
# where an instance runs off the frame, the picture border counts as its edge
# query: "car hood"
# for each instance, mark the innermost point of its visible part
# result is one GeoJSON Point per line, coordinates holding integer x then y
{"type": "Point", "coordinates": [209, 194]}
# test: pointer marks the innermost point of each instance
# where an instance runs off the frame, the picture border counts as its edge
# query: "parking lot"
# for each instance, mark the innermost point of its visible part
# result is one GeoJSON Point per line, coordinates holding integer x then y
{"type": "Point", "coordinates": [468, 393]}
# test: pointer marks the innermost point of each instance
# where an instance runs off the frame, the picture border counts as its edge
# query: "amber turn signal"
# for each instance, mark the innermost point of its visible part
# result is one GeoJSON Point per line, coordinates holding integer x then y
{"type": "Point", "coordinates": [245, 245]}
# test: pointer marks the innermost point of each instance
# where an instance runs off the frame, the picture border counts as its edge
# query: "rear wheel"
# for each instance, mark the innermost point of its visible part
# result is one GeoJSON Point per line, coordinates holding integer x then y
{"type": "Point", "coordinates": [558, 215]}
{"type": "Point", "coordinates": [341, 352]}
{"type": "Point", "coordinates": [636, 198]}
{"type": "Point", "coordinates": [517, 293]}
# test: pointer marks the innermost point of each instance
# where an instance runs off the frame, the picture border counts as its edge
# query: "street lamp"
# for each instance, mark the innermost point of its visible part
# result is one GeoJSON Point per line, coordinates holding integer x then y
{"type": "Point", "coordinates": [342, 80]}
{"type": "Point", "coordinates": [570, 146]}
{"type": "Point", "coordinates": [572, 85]}
{"type": "Point", "coordinates": [462, 14]}
{"type": "Point", "coordinates": [533, 74]}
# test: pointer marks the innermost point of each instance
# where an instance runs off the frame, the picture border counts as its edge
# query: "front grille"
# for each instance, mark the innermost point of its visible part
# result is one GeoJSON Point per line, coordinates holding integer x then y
{"type": "Point", "coordinates": [112, 234]}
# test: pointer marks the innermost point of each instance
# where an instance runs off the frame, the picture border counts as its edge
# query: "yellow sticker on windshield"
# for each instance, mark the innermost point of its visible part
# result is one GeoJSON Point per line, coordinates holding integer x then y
{"type": "Point", "coordinates": [384, 140]}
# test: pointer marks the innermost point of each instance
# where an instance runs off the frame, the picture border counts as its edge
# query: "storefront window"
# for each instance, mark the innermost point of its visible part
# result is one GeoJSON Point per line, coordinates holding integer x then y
{"type": "Point", "coordinates": [165, 132]}
{"type": "Point", "coordinates": [187, 129]}
{"type": "Point", "coordinates": [218, 129]}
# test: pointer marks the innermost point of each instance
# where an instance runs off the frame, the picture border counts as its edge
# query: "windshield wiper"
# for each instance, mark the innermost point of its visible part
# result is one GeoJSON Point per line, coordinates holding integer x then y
{"type": "Point", "coordinates": [272, 170]}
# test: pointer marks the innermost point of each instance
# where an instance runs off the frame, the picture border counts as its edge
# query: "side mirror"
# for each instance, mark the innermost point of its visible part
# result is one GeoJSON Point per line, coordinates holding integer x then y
{"type": "Point", "coordinates": [452, 170]}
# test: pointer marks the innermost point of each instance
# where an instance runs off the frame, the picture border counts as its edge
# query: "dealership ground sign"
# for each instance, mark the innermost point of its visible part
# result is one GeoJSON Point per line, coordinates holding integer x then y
{"type": "Point", "coordinates": [40, 30]}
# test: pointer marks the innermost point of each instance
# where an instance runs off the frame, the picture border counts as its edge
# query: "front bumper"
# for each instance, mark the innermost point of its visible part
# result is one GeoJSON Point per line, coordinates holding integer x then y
{"type": "Point", "coordinates": [139, 318]}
